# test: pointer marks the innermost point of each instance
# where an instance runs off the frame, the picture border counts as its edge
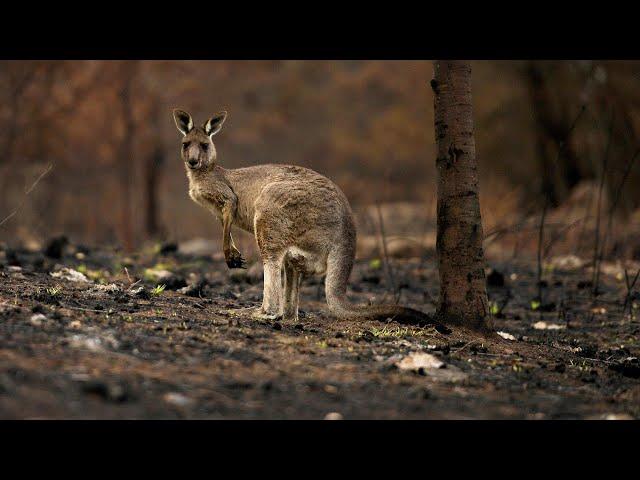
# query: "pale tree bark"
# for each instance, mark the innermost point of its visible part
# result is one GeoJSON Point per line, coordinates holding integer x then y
{"type": "Point", "coordinates": [463, 295]}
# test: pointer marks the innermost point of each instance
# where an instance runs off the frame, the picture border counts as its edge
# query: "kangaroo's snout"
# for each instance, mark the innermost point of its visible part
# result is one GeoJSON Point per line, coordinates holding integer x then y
{"type": "Point", "coordinates": [192, 162]}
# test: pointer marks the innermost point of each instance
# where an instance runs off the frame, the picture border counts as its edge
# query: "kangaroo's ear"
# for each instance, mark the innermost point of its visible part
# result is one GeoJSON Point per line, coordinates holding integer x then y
{"type": "Point", "coordinates": [214, 124]}
{"type": "Point", "coordinates": [183, 120]}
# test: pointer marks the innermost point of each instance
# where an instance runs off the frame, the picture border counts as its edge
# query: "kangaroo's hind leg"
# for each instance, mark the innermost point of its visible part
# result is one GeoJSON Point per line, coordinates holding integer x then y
{"type": "Point", "coordinates": [272, 292]}
{"type": "Point", "coordinates": [292, 278]}
{"type": "Point", "coordinates": [271, 308]}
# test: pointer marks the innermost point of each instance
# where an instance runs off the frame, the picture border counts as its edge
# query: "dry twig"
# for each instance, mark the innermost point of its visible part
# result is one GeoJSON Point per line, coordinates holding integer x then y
{"type": "Point", "coordinates": [24, 199]}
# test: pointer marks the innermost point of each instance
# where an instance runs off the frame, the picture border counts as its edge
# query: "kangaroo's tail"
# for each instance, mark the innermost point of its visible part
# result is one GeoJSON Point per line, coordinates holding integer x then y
{"type": "Point", "coordinates": [339, 265]}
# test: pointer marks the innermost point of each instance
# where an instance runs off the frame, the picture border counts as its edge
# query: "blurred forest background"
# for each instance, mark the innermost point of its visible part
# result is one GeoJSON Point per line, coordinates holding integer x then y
{"type": "Point", "coordinates": [548, 133]}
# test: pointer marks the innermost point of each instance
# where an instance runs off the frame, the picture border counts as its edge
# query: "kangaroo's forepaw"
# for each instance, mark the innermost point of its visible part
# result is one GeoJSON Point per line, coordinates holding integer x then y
{"type": "Point", "coordinates": [235, 259]}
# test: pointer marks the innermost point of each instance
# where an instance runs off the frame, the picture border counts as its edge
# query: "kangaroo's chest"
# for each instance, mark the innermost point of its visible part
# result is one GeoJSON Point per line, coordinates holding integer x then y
{"type": "Point", "coordinates": [204, 197]}
{"type": "Point", "coordinates": [214, 195]}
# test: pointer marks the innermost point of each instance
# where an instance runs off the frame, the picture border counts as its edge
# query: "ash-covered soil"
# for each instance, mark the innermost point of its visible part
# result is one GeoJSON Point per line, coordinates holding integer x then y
{"type": "Point", "coordinates": [115, 345]}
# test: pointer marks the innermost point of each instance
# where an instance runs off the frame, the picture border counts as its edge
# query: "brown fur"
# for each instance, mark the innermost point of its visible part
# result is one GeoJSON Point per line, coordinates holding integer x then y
{"type": "Point", "coordinates": [302, 222]}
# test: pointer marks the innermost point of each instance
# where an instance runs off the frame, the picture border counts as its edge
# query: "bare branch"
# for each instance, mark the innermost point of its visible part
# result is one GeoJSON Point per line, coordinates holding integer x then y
{"type": "Point", "coordinates": [29, 190]}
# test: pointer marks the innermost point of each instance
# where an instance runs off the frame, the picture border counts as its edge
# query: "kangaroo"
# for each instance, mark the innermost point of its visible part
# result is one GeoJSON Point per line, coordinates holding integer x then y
{"type": "Point", "coordinates": [302, 222]}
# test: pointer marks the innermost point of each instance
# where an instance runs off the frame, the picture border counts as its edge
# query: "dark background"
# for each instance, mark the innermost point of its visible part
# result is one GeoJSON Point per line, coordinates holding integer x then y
{"type": "Point", "coordinates": [117, 179]}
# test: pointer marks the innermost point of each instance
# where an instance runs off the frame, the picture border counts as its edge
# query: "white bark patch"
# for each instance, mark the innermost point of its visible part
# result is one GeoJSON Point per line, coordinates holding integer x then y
{"type": "Point", "coordinates": [548, 326]}
{"type": "Point", "coordinates": [333, 416]}
{"type": "Point", "coordinates": [94, 343]}
{"type": "Point", "coordinates": [177, 399]}
{"type": "Point", "coordinates": [507, 336]}
{"type": "Point", "coordinates": [567, 262]}
{"type": "Point", "coordinates": [37, 320]}
{"type": "Point", "coordinates": [418, 361]}
{"type": "Point", "coordinates": [70, 275]}
{"type": "Point", "coordinates": [98, 290]}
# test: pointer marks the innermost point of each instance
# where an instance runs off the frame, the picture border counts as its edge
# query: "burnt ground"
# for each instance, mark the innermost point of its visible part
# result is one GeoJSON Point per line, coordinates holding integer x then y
{"type": "Point", "coordinates": [112, 347]}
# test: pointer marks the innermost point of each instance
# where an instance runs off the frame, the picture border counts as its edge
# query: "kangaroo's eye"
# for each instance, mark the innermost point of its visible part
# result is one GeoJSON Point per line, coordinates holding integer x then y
{"type": "Point", "coordinates": [185, 145]}
{"type": "Point", "coordinates": [205, 146]}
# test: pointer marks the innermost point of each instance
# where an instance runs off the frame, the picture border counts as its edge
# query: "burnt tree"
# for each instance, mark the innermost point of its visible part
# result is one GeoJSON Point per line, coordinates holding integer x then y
{"type": "Point", "coordinates": [463, 296]}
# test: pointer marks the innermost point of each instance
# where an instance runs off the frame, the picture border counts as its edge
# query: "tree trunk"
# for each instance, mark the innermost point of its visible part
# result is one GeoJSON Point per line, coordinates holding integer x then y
{"type": "Point", "coordinates": [153, 171]}
{"type": "Point", "coordinates": [127, 154]}
{"type": "Point", "coordinates": [559, 174]}
{"type": "Point", "coordinates": [463, 295]}
{"type": "Point", "coordinates": [152, 178]}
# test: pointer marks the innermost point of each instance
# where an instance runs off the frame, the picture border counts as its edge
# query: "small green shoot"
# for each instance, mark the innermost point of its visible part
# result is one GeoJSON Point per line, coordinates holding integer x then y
{"type": "Point", "coordinates": [157, 291]}
{"type": "Point", "coordinates": [54, 291]}
{"type": "Point", "coordinates": [95, 275]}
{"type": "Point", "coordinates": [375, 264]}
{"type": "Point", "coordinates": [493, 308]}
{"type": "Point", "coordinates": [398, 332]}
{"type": "Point", "coordinates": [535, 304]}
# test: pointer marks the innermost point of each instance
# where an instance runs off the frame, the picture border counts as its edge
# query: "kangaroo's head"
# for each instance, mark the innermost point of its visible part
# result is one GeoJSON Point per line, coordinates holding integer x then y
{"type": "Point", "coordinates": [198, 151]}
